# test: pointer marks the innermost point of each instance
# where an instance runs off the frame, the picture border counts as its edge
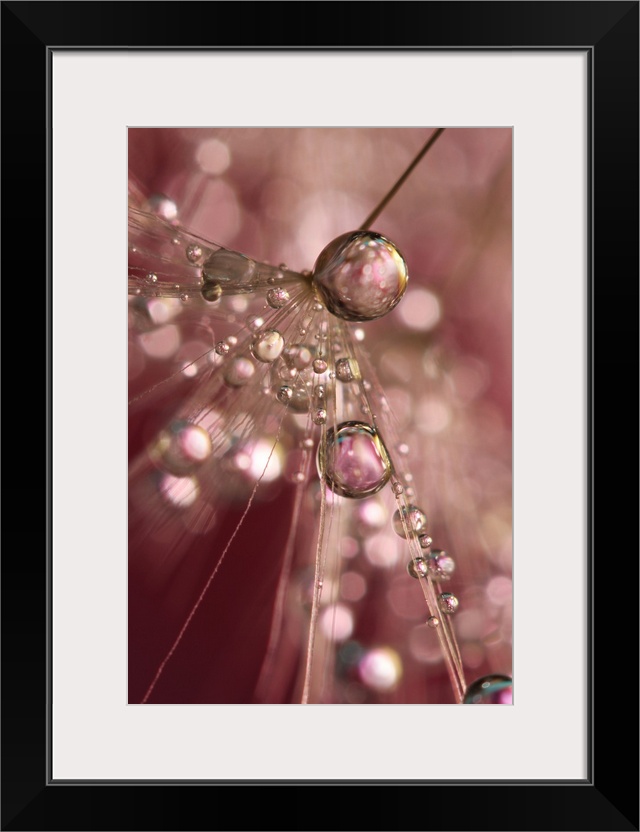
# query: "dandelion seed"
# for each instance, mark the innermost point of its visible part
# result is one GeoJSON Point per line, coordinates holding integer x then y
{"type": "Point", "coordinates": [247, 458]}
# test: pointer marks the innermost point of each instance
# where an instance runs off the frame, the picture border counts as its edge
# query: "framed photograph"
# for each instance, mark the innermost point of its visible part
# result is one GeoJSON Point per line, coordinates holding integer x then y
{"type": "Point", "coordinates": [264, 621]}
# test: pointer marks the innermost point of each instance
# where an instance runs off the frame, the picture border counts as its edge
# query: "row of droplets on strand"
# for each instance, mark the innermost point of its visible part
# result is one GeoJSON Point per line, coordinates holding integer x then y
{"type": "Point", "coordinates": [353, 459]}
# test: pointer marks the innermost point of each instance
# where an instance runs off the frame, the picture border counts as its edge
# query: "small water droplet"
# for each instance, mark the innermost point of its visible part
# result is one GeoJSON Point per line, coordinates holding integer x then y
{"type": "Point", "coordinates": [441, 564]}
{"type": "Point", "coordinates": [433, 622]}
{"type": "Point", "coordinates": [254, 322]}
{"type": "Point", "coordinates": [417, 567]}
{"type": "Point", "coordinates": [193, 252]}
{"type": "Point", "coordinates": [162, 206]}
{"type": "Point", "coordinates": [397, 487]}
{"type": "Point", "coordinates": [181, 448]}
{"type": "Point", "coordinates": [347, 369]}
{"type": "Point", "coordinates": [151, 278]}
{"type": "Point", "coordinates": [415, 518]}
{"type": "Point", "coordinates": [448, 603]}
{"type": "Point", "coordinates": [354, 461]}
{"type": "Point", "coordinates": [320, 416]}
{"type": "Point", "coordinates": [211, 291]}
{"type": "Point", "coordinates": [297, 402]}
{"type": "Point", "coordinates": [425, 541]}
{"type": "Point", "coordinates": [277, 298]}
{"type": "Point", "coordinates": [239, 372]}
{"type": "Point", "coordinates": [184, 297]}
{"type": "Point", "coordinates": [319, 366]}
{"type": "Point", "coordinates": [222, 348]}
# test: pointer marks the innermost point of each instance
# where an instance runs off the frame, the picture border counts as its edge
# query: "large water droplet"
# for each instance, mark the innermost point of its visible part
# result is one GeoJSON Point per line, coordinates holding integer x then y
{"type": "Point", "coordinates": [490, 690]}
{"type": "Point", "coordinates": [360, 276]}
{"type": "Point", "coordinates": [355, 461]}
{"type": "Point", "coordinates": [228, 268]}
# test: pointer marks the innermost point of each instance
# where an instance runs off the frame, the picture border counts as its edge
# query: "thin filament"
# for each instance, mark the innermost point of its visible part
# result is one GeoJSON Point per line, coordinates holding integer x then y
{"type": "Point", "coordinates": [394, 190]}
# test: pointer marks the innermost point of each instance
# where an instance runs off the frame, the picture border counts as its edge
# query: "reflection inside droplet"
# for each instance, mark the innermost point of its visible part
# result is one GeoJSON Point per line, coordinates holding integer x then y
{"type": "Point", "coordinates": [354, 461]}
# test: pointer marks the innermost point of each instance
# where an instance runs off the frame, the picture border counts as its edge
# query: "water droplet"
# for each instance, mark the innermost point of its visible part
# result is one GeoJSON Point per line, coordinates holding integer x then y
{"type": "Point", "coordinates": [222, 348]}
{"type": "Point", "coordinates": [415, 519]}
{"type": "Point", "coordinates": [295, 398]}
{"type": "Point", "coordinates": [319, 366]}
{"type": "Point", "coordinates": [239, 372]}
{"type": "Point", "coordinates": [254, 322]}
{"type": "Point", "coordinates": [307, 443]}
{"type": "Point", "coordinates": [441, 564]}
{"type": "Point", "coordinates": [277, 298]}
{"type": "Point", "coordinates": [448, 603]}
{"type": "Point", "coordinates": [320, 416]}
{"type": "Point", "coordinates": [211, 291]}
{"type": "Point", "coordinates": [151, 278]}
{"type": "Point", "coordinates": [433, 622]}
{"type": "Point", "coordinates": [193, 252]}
{"type": "Point", "coordinates": [490, 690]}
{"type": "Point", "coordinates": [298, 357]}
{"type": "Point", "coordinates": [397, 487]}
{"type": "Point", "coordinates": [360, 276]}
{"type": "Point", "coordinates": [267, 346]}
{"type": "Point", "coordinates": [425, 541]}
{"type": "Point", "coordinates": [417, 567]}
{"type": "Point", "coordinates": [184, 297]}
{"type": "Point", "coordinates": [355, 461]}
{"type": "Point", "coordinates": [347, 369]}
{"type": "Point", "coordinates": [180, 492]}
{"type": "Point", "coordinates": [381, 668]}
{"type": "Point", "coordinates": [228, 268]}
{"type": "Point", "coordinates": [162, 207]}
{"type": "Point", "coordinates": [181, 448]}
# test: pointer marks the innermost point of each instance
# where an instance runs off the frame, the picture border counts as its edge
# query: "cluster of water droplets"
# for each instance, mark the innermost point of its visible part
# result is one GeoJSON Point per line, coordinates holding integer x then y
{"type": "Point", "coordinates": [279, 381]}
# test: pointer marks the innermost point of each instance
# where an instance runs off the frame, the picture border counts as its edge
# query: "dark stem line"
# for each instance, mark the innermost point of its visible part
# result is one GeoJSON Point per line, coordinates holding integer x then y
{"type": "Point", "coordinates": [394, 190]}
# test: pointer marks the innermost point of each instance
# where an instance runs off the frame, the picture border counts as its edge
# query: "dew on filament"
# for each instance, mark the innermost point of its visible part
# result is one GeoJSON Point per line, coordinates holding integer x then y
{"type": "Point", "coordinates": [289, 416]}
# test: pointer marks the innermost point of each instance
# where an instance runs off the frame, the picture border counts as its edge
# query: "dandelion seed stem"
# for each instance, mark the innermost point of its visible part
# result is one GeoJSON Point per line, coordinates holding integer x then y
{"type": "Point", "coordinates": [394, 190]}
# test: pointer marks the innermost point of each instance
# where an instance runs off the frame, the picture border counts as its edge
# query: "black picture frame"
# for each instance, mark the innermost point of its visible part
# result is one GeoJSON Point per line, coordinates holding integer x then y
{"type": "Point", "coordinates": [608, 798]}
